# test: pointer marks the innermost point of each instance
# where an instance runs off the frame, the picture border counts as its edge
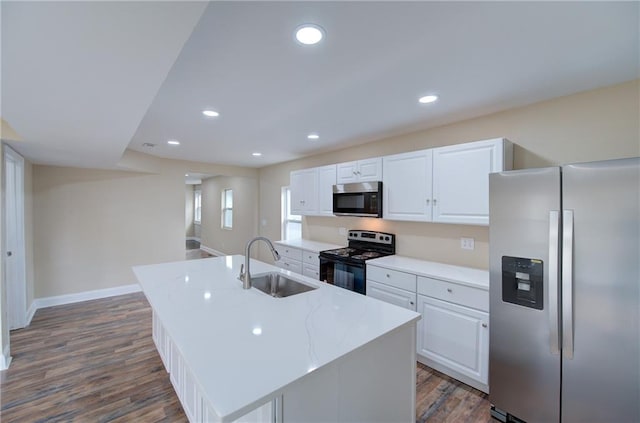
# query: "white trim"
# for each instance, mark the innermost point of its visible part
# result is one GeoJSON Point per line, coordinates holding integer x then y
{"type": "Point", "coordinates": [212, 251]}
{"type": "Point", "coordinates": [193, 238]}
{"type": "Point", "coordinates": [31, 312]}
{"type": "Point", "coordinates": [5, 359]}
{"type": "Point", "coordinates": [85, 296]}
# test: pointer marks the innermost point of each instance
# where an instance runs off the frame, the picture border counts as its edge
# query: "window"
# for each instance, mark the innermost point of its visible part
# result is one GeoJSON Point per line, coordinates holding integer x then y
{"type": "Point", "coordinates": [197, 206]}
{"type": "Point", "coordinates": [227, 209]}
{"type": "Point", "coordinates": [291, 223]}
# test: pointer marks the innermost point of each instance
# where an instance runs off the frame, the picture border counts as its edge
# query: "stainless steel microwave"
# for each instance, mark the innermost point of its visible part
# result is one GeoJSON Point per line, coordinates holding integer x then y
{"type": "Point", "coordinates": [358, 199]}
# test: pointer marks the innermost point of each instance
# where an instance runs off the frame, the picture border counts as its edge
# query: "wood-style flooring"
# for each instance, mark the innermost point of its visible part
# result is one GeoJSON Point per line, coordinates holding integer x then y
{"type": "Point", "coordinates": [95, 361]}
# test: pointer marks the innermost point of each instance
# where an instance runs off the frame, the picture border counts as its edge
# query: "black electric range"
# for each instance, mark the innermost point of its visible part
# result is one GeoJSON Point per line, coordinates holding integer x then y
{"type": "Point", "coordinates": [346, 268]}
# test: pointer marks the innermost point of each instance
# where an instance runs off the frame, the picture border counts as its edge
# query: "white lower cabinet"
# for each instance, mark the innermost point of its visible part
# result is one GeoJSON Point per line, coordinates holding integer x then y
{"type": "Point", "coordinates": [453, 334]}
{"type": "Point", "coordinates": [298, 260]}
{"type": "Point", "coordinates": [454, 338]}
{"type": "Point", "coordinates": [392, 295]}
{"type": "Point", "coordinates": [184, 383]}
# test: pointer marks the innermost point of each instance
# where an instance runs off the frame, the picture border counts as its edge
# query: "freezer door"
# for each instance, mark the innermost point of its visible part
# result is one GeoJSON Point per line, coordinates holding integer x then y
{"type": "Point", "coordinates": [601, 279]}
{"type": "Point", "coordinates": [524, 360]}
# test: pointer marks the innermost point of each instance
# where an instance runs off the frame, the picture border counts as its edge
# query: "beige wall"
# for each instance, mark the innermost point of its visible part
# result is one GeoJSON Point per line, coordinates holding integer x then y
{"type": "Point", "coordinates": [245, 213]}
{"type": "Point", "coordinates": [594, 125]}
{"type": "Point", "coordinates": [188, 211]}
{"type": "Point", "coordinates": [91, 226]}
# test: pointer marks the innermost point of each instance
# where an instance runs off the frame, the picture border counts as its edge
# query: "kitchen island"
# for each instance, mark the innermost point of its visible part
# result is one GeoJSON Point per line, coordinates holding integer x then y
{"type": "Point", "coordinates": [241, 355]}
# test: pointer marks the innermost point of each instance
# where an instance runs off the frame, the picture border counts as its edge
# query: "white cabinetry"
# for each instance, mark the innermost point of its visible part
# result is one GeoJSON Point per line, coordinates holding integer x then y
{"type": "Point", "coordinates": [360, 171]}
{"type": "Point", "coordinates": [461, 179]}
{"type": "Point", "coordinates": [304, 191]}
{"type": "Point", "coordinates": [453, 335]}
{"type": "Point", "coordinates": [312, 191]}
{"type": "Point", "coordinates": [392, 286]}
{"type": "Point", "coordinates": [407, 186]}
{"type": "Point", "coordinates": [298, 260]}
{"type": "Point", "coordinates": [446, 184]}
{"type": "Point", "coordinates": [326, 181]}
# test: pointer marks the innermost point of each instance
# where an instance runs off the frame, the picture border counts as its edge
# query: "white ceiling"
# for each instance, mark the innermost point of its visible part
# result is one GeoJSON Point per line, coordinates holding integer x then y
{"type": "Point", "coordinates": [81, 82]}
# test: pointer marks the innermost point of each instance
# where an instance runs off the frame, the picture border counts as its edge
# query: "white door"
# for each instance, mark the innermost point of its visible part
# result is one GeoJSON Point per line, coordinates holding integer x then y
{"type": "Point", "coordinates": [407, 186]}
{"type": "Point", "coordinates": [454, 336]}
{"type": "Point", "coordinates": [14, 254]}
{"type": "Point", "coordinates": [461, 181]}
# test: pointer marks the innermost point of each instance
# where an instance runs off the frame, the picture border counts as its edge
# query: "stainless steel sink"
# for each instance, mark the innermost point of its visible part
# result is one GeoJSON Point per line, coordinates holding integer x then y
{"type": "Point", "coordinates": [278, 285]}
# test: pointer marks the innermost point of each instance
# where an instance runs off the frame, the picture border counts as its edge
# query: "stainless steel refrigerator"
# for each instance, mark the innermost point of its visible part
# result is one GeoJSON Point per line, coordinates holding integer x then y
{"type": "Point", "coordinates": [565, 281]}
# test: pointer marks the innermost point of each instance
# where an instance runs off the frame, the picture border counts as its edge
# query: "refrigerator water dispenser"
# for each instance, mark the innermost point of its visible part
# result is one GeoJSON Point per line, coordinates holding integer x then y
{"type": "Point", "coordinates": [522, 282]}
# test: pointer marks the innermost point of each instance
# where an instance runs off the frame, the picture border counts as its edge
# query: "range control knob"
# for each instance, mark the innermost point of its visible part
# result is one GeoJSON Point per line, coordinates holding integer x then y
{"type": "Point", "coordinates": [386, 238]}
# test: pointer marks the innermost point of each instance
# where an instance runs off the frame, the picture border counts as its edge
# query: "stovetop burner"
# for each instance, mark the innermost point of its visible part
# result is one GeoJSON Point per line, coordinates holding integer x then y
{"type": "Point", "coordinates": [364, 245]}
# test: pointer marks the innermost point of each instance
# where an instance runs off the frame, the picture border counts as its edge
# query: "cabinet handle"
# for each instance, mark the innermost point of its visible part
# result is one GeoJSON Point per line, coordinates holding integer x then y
{"type": "Point", "coordinates": [428, 201]}
{"type": "Point", "coordinates": [388, 275]}
{"type": "Point", "coordinates": [434, 201]}
{"type": "Point", "coordinates": [411, 302]}
{"type": "Point", "coordinates": [484, 325]}
{"type": "Point", "coordinates": [449, 290]}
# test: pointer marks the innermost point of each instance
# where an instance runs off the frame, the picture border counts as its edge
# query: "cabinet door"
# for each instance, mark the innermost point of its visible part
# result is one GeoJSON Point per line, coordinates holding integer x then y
{"type": "Point", "coordinates": [326, 181]}
{"type": "Point", "coordinates": [191, 399]}
{"type": "Point", "coordinates": [456, 337]}
{"type": "Point", "coordinates": [392, 295]}
{"type": "Point", "coordinates": [407, 186]}
{"type": "Point", "coordinates": [369, 169]}
{"type": "Point", "coordinates": [304, 190]}
{"type": "Point", "coordinates": [347, 172]}
{"type": "Point", "coordinates": [311, 271]}
{"type": "Point", "coordinates": [461, 181]}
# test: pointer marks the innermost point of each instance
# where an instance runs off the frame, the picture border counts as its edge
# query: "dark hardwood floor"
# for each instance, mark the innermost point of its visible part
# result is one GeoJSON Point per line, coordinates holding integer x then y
{"type": "Point", "coordinates": [96, 362]}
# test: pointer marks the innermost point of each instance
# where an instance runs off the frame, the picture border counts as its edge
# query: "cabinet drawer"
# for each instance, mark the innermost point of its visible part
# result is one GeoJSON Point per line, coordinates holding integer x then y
{"type": "Point", "coordinates": [311, 271]}
{"type": "Point", "coordinates": [402, 280]}
{"type": "Point", "coordinates": [391, 295]}
{"type": "Point", "coordinates": [309, 257]}
{"type": "Point", "coordinates": [454, 293]}
{"type": "Point", "coordinates": [289, 252]}
{"type": "Point", "coordinates": [292, 265]}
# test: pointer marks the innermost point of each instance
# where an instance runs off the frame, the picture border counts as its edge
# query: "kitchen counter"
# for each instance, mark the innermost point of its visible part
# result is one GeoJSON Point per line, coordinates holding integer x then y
{"type": "Point", "coordinates": [245, 348]}
{"type": "Point", "coordinates": [475, 278]}
{"type": "Point", "coordinates": [306, 244]}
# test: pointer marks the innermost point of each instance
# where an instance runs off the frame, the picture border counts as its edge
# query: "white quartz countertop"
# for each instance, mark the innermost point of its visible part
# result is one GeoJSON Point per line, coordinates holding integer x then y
{"type": "Point", "coordinates": [309, 245]}
{"type": "Point", "coordinates": [244, 346]}
{"type": "Point", "coordinates": [476, 278]}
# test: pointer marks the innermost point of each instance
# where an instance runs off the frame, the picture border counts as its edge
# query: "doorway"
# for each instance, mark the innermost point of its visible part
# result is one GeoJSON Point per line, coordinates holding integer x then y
{"type": "Point", "coordinates": [14, 251]}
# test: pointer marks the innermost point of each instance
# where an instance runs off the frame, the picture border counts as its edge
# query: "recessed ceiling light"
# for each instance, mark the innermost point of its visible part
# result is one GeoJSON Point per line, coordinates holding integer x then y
{"type": "Point", "coordinates": [313, 136]}
{"type": "Point", "coordinates": [210, 113]}
{"type": "Point", "coordinates": [256, 154]}
{"type": "Point", "coordinates": [173, 142]}
{"type": "Point", "coordinates": [428, 99]}
{"type": "Point", "coordinates": [309, 34]}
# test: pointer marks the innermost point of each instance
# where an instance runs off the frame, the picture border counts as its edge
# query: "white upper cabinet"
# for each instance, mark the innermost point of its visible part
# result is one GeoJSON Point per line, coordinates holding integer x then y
{"type": "Point", "coordinates": [326, 181]}
{"type": "Point", "coordinates": [304, 191]}
{"type": "Point", "coordinates": [360, 171]}
{"type": "Point", "coordinates": [407, 186]}
{"type": "Point", "coordinates": [461, 179]}
{"type": "Point", "coordinates": [312, 191]}
{"type": "Point", "coordinates": [447, 184]}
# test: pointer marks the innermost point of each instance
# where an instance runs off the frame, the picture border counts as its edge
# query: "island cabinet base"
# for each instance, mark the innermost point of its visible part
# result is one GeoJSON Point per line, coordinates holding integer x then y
{"type": "Point", "coordinates": [374, 383]}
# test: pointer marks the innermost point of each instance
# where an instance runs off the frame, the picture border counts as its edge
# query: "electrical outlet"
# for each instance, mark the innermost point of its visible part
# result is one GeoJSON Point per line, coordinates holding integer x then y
{"type": "Point", "coordinates": [342, 231]}
{"type": "Point", "coordinates": [467, 243]}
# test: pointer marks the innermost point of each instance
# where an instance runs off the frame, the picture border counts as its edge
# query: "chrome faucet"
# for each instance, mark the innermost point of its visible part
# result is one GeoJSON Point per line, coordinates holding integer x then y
{"type": "Point", "coordinates": [245, 276]}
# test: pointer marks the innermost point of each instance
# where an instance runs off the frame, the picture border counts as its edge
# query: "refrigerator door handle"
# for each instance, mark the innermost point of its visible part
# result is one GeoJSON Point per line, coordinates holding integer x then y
{"type": "Point", "coordinates": [554, 274]}
{"type": "Point", "coordinates": [567, 283]}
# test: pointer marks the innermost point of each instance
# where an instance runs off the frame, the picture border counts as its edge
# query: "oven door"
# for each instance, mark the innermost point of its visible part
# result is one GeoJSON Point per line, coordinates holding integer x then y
{"type": "Point", "coordinates": [345, 275]}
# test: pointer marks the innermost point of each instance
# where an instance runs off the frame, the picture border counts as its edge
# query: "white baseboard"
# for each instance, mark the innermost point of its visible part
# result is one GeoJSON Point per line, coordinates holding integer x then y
{"type": "Point", "coordinates": [83, 296]}
{"type": "Point", "coordinates": [5, 358]}
{"type": "Point", "coordinates": [31, 312]}
{"type": "Point", "coordinates": [212, 251]}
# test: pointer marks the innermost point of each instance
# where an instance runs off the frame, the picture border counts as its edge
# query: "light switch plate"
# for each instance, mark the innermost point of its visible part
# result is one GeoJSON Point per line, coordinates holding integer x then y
{"type": "Point", "coordinates": [467, 243]}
